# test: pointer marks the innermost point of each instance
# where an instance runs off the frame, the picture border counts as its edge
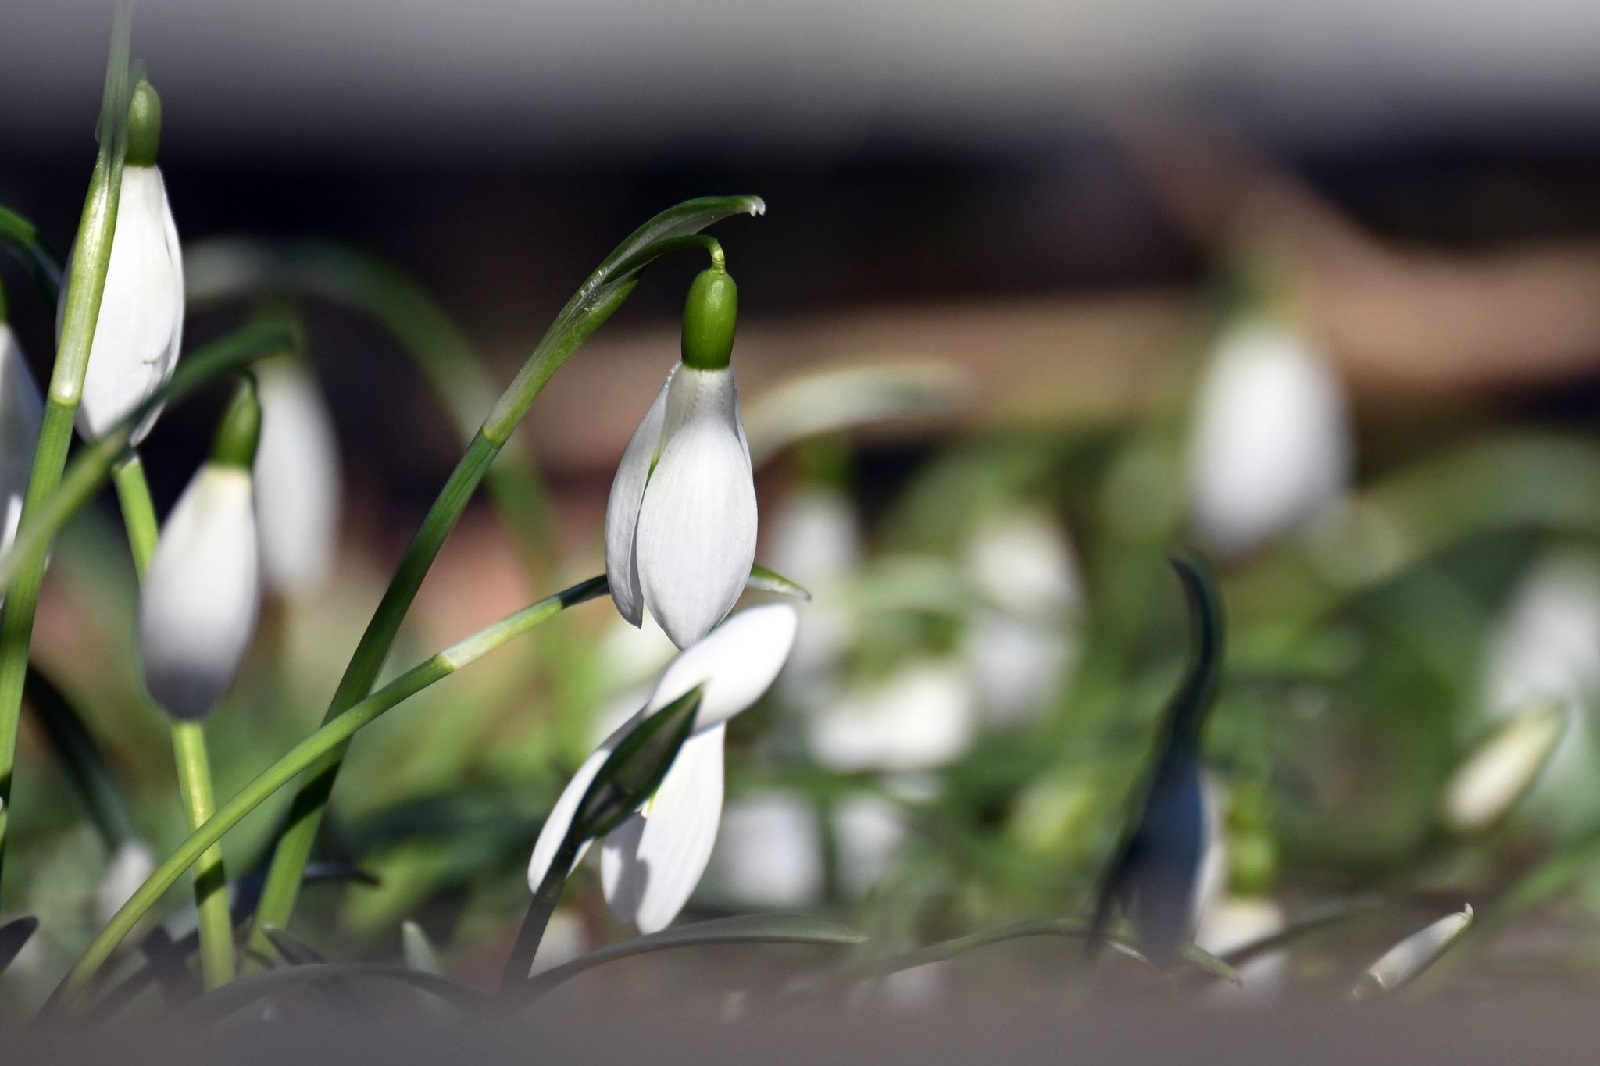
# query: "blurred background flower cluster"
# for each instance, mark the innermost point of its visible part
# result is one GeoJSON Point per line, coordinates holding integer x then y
{"type": "Point", "coordinates": [1043, 291]}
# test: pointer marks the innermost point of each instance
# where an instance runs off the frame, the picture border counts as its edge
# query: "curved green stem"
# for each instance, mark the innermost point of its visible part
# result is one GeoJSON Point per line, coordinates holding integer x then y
{"type": "Point", "coordinates": [85, 286]}
{"type": "Point", "coordinates": [22, 237]}
{"type": "Point", "coordinates": [188, 748]}
{"type": "Point", "coordinates": [302, 756]}
{"type": "Point", "coordinates": [594, 302]}
{"type": "Point", "coordinates": [229, 268]}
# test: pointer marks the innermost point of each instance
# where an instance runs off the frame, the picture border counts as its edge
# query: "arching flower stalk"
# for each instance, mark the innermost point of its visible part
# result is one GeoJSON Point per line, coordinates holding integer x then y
{"type": "Point", "coordinates": [681, 521]}
{"type": "Point", "coordinates": [652, 862]}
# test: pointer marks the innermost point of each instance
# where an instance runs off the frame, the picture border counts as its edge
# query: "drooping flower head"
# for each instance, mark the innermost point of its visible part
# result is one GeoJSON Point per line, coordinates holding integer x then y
{"type": "Point", "coordinates": [652, 862]}
{"type": "Point", "coordinates": [297, 480]}
{"type": "Point", "coordinates": [140, 326]}
{"type": "Point", "coordinates": [681, 521]}
{"type": "Point", "coordinates": [202, 597]}
{"type": "Point", "coordinates": [1271, 439]}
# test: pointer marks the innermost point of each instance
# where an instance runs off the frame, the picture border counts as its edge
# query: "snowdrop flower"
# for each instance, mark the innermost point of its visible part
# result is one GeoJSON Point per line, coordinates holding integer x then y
{"type": "Point", "coordinates": [137, 335]}
{"type": "Point", "coordinates": [652, 862]}
{"type": "Point", "coordinates": [768, 853]}
{"type": "Point", "coordinates": [297, 480]}
{"type": "Point", "coordinates": [21, 413]}
{"type": "Point", "coordinates": [203, 595]}
{"type": "Point", "coordinates": [1271, 441]}
{"type": "Point", "coordinates": [681, 521]}
{"type": "Point", "coordinates": [815, 540]}
{"type": "Point", "coordinates": [1546, 649]}
{"type": "Point", "coordinates": [921, 718]}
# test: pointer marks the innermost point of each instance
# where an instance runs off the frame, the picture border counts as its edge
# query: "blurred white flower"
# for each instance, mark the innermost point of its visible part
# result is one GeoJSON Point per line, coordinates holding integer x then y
{"type": "Point", "coordinates": [920, 718]}
{"type": "Point", "coordinates": [1546, 648]}
{"type": "Point", "coordinates": [1272, 443]}
{"type": "Point", "coordinates": [768, 853]}
{"type": "Point", "coordinates": [681, 521]}
{"type": "Point", "coordinates": [652, 862]}
{"type": "Point", "coordinates": [815, 539]}
{"type": "Point", "coordinates": [140, 328]}
{"type": "Point", "coordinates": [21, 412]}
{"type": "Point", "coordinates": [128, 869]}
{"type": "Point", "coordinates": [298, 488]}
{"type": "Point", "coordinates": [1235, 921]}
{"type": "Point", "coordinates": [1020, 650]}
{"type": "Point", "coordinates": [869, 833]}
{"type": "Point", "coordinates": [202, 597]}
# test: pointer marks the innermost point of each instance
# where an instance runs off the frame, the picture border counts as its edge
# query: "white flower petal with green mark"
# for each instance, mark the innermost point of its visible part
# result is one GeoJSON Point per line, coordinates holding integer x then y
{"type": "Point", "coordinates": [651, 863]}
{"type": "Point", "coordinates": [140, 328]}
{"type": "Point", "coordinates": [297, 480]}
{"type": "Point", "coordinates": [734, 664]}
{"type": "Point", "coordinates": [696, 538]}
{"type": "Point", "coordinates": [556, 824]}
{"type": "Point", "coordinates": [622, 508]}
{"type": "Point", "coordinates": [201, 600]}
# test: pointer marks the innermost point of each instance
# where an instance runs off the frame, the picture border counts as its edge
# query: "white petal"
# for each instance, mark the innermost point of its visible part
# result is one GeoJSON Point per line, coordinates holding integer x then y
{"type": "Point", "coordinates": [697, 524]}
{"type": "Point", "coordinates": [297, 480]}
{"type": "Point", "coordinates": [559, 821]}
{"type": "Point", "coordinates": [202, 598]}
{"type": "Point", "coordinates": [736, 663]}
{"type": "Point", "coordinates": [622, 509]}
{"type": "Point", "coordinates": [1272, 440]}
{"type": "Point", "coordinates": [140, 327]}
{"type": "Point", "coordinates": [21, 412]}
{"type": "Point", "coordinates": [652, 862]}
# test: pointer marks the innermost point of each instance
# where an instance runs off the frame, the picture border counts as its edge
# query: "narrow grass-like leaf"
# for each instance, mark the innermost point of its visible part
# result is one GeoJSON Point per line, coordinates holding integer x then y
{"type": "Point", "coordinates": [832, 399]}
{"type": "Point", "coordinates": [14, 937]}
{"type": "Point", "coordinates": [743, 929]}
{"type": "Point", "coordinates": [41, 261]}
{"type": "Point", "coordinates": [631, 774]}
{"type": "Point", "coordinates": [1157, 862]}
{"type": "Point", "coordinates": [765, 580]}
{"type": "Point", "coordinates": [81, 760]}
{"type": "Point", "coordinates": [1334, 914]}
{"type": "Point", "coordinates": [240, 994]}
{"type": "Point", "coordinates": [1404, 962]}
{"type": "Point", "coordinates": [418, 949]}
